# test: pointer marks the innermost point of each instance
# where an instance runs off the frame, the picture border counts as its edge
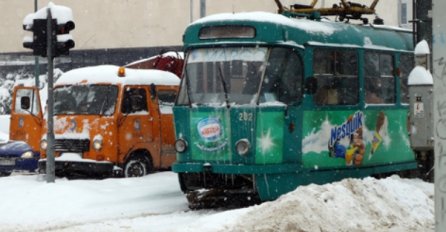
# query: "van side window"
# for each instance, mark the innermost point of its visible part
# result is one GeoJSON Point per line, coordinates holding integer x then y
{"type": "Point", "coordinates": [135, 100]}
{"type": "Point", "coordinates": [336, 72]}
{"type": "Point", "coordinates": [28, 96]}
{"type": "Point", "coordinates": [379, 80]}
{"type": "Point", "coordinates": [166, 100]}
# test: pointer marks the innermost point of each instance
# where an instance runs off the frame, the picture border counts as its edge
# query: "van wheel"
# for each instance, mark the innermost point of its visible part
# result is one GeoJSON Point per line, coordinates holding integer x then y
{"type": "Point", "coordinates": [137, 166]}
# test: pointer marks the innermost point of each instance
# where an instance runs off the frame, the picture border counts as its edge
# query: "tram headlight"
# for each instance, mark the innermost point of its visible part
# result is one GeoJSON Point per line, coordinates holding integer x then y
{"type": "Point", "coordinates": [180, 145]}
{"type": "Point", "coordinates": [97, 144]}
{"type": "Point", "coordinates": [242, 146]}
{"type": "Point", "coordinates": [43, 144]}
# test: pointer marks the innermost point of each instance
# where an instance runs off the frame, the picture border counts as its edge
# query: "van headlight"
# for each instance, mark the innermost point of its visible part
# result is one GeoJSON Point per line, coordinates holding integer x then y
{"type": "Point", "coordinates": [242, 146]}
{"type": "Point", "coordinates": [97, 144]}
{"type": "Point", "coordinates": [27, 155]}
{"type": "Point", "coordinates": [43, 144]}
{"type": "Point", "coordinates": [180, 145]}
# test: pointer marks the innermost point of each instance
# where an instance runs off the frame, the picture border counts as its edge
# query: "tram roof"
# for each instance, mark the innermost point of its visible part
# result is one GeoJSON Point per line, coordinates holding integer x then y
{"type": "Point", "coordinates": [108, 74]}
{"type": "Point", "coordinates": [279, 29]}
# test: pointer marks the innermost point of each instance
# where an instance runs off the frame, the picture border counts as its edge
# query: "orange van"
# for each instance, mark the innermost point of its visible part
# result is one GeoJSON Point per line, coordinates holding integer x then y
{"type": "Point", "coordinates": [112, 120]}
{"type": "Point", "coordinates": [26, 116]}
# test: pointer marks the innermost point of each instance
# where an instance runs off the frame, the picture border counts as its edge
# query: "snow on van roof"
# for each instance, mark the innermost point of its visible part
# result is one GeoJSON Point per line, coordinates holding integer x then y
{"type": "Point", "coordinates": [309, 26]}
{"type": "Point", "coordinates": [109, 74]}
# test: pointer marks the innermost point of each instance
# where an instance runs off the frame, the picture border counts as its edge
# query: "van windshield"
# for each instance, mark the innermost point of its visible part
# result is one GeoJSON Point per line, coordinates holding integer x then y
{"type": "Point", "coordinates": [85, 99]}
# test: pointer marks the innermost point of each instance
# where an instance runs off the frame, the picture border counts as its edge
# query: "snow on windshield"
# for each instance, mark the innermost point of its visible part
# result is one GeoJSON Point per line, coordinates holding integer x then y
{"type": "Point", "coordinates": [228, 54]}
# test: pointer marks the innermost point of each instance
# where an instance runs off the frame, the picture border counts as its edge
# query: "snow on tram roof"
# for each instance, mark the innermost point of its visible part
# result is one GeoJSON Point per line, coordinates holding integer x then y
{"type": "Point", "coordinates": [109, 74]}
{"type": "Point", "coordinates": [309, 26]}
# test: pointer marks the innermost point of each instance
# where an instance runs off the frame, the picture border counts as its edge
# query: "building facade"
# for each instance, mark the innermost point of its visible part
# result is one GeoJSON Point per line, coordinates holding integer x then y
{"type": "Point", "coordinates": [121, 31]}
{"type": "Point", "coordinates": [107, 24]}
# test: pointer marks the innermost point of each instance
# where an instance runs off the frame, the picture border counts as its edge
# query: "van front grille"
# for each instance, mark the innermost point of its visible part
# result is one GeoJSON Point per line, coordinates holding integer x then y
{"type": "Point", "coordinates": [72, 145]}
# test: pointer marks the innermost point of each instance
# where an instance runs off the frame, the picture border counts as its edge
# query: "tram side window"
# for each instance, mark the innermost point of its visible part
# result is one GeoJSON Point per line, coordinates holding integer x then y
{"type": "Point", "coordinates": [337, 76]}
{"type": "Point", "coordinates": [283, 77]}
{"type": "Point", "coordinates": [379, 80]}
{"type": "Point", "coordinates": [135, 100]}
{"type": "Point", "coordinates": [406, 66]}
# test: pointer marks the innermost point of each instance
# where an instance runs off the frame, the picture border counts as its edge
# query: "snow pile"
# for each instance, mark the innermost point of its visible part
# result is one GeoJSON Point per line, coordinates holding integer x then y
{"type": "Point", "coordinates": [391, 204]}
{"type": "Point", "coordinates": [155, 203]}
{"type": "Point", "coordinates": [422, 48]}
{"type": "Point", "coordinates": [420, 76]}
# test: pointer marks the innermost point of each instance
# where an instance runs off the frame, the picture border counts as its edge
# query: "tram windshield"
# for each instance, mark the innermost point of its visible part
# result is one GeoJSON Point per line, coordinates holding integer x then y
{"type": "Point", "coordinates": [242, 75]}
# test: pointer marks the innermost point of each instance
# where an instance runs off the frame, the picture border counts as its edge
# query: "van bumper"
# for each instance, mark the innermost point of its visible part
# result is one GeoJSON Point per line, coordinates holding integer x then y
{"type": "Point", "coordinates": [72, 169]}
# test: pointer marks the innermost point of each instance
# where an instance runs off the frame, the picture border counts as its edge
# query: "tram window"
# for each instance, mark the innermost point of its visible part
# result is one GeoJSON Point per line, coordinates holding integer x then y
{"type": "Point", "coordinates": [228, 31]}
{"type": "Point", "coordinates": [336, 73]}
{"type": "Point", "coordinates": [283, 77]}
{"type": "Point", "coordinates": [379, 80]}
{"type": "Point", "coordinates": [322, 65]}
{"type": "Point", "coordinates": [406, 65]}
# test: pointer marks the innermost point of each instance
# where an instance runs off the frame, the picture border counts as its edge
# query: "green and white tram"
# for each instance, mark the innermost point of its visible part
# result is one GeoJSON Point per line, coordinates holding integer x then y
{"type": "Point", "coordinates": [270, 102]}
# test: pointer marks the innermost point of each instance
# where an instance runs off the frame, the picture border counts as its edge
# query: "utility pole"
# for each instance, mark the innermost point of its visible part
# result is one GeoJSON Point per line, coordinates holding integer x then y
{"type": "Point", "coordinates": [191, 11]}
{"type": "Point", "coordinates": [439, 75]}
{"type": "Point", "coordinates": [202, 8]}
{"type": "Point", "coordinates": [50, 165]}
{"type": "Point", "coordinates": [36, 58]}
{"type": "Point", "coordinates": [422, 21]}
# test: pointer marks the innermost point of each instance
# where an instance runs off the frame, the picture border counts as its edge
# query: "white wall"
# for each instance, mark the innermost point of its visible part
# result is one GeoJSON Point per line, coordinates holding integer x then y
{"type": "Point", "coordinates": [140, 23]}
{"type": "Point", "coordinates": [4, 125]}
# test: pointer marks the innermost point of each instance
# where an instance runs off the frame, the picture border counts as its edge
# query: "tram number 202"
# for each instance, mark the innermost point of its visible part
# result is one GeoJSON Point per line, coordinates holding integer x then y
{"type": "Point", "coordinates": [244, 116]}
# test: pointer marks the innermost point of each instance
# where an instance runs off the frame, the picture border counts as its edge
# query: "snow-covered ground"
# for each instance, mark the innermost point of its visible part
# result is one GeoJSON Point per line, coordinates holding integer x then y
{"type": "Point", "coordinates": [155, 203]}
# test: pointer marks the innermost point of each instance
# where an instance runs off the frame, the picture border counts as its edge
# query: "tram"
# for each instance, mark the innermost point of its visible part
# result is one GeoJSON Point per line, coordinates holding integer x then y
{"type": "Point", "coordinates": [269, 102]}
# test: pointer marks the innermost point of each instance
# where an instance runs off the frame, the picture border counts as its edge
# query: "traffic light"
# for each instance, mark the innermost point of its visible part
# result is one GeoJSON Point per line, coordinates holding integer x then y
{"type": "Point", "coordinates": [38, 42]}
{"type": "Point", "coordinates": [61, 41]}
{"type": "Point", "coordinates": [64, 41]}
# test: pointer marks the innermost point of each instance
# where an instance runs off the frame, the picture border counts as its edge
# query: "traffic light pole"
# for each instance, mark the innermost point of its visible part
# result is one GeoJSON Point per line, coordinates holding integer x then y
{"type": "Point", "coordinates": [46, 42]}
{"type": "Point", "coordinates": [36, 58]}
{"type": "Point", "coordinates": [50, 163]}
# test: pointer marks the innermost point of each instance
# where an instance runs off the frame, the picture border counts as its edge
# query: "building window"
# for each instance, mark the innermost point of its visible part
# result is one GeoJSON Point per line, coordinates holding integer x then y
{"type": "Point", "coordinates": [403, 13]}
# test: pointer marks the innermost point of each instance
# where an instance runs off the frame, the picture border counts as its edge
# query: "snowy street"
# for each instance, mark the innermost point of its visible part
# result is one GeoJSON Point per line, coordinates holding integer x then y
{"type": "Point", "coordinates": [155, 203]}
